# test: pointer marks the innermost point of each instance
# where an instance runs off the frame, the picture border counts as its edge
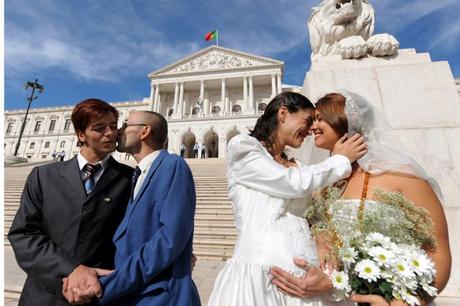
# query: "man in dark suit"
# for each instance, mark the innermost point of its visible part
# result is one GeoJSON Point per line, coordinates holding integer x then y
{"type": "Point", "coordinates": [69, 211]}
{"type": "Point", "coordinates": [154, 240]}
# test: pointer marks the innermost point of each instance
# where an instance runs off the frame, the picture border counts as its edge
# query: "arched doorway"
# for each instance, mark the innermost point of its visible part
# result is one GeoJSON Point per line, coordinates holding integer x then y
{"type": "Point", "coordinates": [188, 140]}
{"type": "Point", "coordinates": [211, 141]}
{"type": "Point", "coordinates": [232, 134]}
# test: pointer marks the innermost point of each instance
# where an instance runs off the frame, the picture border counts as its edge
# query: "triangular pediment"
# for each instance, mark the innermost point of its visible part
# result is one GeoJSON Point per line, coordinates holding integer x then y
{"type": "Point", "coordinates": [215, 58]}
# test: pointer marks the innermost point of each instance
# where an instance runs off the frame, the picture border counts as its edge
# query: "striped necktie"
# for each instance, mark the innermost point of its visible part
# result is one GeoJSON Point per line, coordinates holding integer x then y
{"type": "Point", "coordinates": [89, 171]}
{"type": "Point", "coordinates": [137, 172]}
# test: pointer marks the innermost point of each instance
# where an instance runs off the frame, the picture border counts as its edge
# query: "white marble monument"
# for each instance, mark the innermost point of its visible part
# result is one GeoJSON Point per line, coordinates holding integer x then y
{"type": "Point", "coordinates": [418, 97]}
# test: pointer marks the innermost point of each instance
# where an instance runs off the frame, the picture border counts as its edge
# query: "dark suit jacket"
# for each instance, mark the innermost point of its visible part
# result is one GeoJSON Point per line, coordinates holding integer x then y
{"type": "Point", "coordinates": [154, 241]}
{"type": "Point", "coordinates": [58, 226]}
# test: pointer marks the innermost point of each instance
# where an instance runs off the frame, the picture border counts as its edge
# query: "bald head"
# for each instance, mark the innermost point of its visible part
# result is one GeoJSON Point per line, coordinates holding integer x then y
{"type": "Point", "coordinates": [157, 124]}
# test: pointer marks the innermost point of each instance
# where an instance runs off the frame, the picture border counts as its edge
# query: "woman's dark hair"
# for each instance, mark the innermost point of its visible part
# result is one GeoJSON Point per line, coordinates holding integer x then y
{"type": "Point", "coordinates": [267, 124]}
{"type": "Point", "coordinates": [332, 110]}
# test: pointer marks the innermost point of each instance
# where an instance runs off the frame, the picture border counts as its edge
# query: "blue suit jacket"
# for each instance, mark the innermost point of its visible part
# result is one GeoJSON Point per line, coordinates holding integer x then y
{"type": "Point", "coordinates": [154, 241]}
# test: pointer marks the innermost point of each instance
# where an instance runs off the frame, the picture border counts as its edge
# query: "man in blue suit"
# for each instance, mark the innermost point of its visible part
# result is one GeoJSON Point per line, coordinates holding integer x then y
{"type": "Point", "coordinates": [154, 240]}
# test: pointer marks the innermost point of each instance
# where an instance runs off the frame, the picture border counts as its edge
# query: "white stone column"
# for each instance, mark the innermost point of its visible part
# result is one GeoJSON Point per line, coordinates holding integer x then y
{"type": "Point", "coordinates": [181, 100]}
{"type": "Point", "coordinates": [202, 111]}
{"type": "Point", "coordinates": [273, 85]}
{"type": "Point", "coordinates": [206, 107]}
{"type": "Point", "coordinates": [152, 95]}
{"type": "Point", "coordinates": [156, 99]}
{"type": "Point", "coordinates": [245, 92]}
{"type": "Point", "coordinates": [176, 99]}
{"type": "Point", "coordinates": [158, 102]}
{"type": "Point", "coordinates": [251, 94]}
{"type": "Point", "coordinates": [222, 97]}
{"type": "Point", "coordinates": [278, 79]}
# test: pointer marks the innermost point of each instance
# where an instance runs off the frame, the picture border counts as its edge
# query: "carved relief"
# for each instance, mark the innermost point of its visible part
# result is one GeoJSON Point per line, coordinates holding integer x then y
{"type": "Point", "coordinates": [215, 61]}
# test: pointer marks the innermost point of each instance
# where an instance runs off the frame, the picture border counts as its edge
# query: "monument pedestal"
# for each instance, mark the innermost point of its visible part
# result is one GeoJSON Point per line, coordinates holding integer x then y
{"type": "Point", "coordinates": [420, 101]}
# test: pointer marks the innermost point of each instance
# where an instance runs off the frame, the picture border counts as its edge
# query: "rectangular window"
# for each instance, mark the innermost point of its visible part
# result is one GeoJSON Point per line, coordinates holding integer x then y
{"type": "Point", "coordinates": [62, 144]}
{"type": "Point", "coordinates": [52, 125]}
{"type": "Point", "coordinates": [67, 125]}
{"type": "Point", "coordinates": [37, 126]}
{"type": "Point", "coordinates": [47, 145]}
{"type": "Point", "coordinates": [9, 128]}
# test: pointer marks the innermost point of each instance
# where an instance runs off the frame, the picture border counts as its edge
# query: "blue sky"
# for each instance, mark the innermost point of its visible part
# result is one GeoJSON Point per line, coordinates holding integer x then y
{"type": "Point", "coordinates": [106, 48]}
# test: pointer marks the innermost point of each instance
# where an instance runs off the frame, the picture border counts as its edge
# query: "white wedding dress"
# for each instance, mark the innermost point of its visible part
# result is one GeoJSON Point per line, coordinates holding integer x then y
{"type": "Point", "coordinates": [268, 202]}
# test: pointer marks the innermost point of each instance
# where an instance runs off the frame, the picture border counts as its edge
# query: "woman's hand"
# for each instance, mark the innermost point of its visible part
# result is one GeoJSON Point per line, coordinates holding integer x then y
{"type": "Point", "coordinates": [328, 261]}
{"type": "Point", "coordinates": [314, 283]}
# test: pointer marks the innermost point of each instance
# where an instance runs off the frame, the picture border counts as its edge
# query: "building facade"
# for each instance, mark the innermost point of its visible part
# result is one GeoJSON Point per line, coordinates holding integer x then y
{"type": "Point", "coordinates": [207, 98]}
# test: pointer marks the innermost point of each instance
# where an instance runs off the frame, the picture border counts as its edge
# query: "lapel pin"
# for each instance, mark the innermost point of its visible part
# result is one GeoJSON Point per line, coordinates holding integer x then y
{"type": "Point", "coordinates": [107, 200]}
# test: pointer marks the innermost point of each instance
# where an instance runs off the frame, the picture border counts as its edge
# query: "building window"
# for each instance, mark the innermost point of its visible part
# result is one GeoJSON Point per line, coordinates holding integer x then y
{"type": "Point", "coordinates": [47, 145]}
{"type": "Point", "coordinates": [215, 110]}
{"type": "Point", "coordinates": [44, 156]}
{"type": "Point", "coordinates": [32, 145]}
{"type": "Point", "coordinates": [62, 144]}
{"type": "Point", "coordinates": [195, 111]}
{"type": "Point", "coordinates": [236, 109]}
{"type": "Point", "coordinates": [29, 156]}
{"type": "Point", "coordinates": [67, 125]}
{"type": "Point", "coordinates": [170, 112]}
{"type": "Point", "coordinates": [9, 128]}
{"type": "Point", "coordinates": [262, 107]}
{"type": "Point", "coordinates": [37, 126]}
{"type": "Point", "coordinates": [52, 125]}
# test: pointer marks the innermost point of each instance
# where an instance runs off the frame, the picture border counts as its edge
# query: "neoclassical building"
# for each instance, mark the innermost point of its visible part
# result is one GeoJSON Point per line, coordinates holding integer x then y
{"type": "Point", "coordinates": [207, 97]}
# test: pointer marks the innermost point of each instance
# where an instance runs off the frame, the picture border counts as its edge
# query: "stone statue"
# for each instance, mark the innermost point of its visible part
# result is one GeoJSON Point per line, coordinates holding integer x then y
{"type": "Point", "coordinates": [345, 27]}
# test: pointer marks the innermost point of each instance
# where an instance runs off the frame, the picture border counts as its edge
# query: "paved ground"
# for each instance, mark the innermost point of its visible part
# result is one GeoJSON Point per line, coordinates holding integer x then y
{"type": "Point", "coordinates": [204, 275]}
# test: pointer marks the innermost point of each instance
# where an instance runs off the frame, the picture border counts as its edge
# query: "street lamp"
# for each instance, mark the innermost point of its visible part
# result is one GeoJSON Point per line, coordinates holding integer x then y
{"type": "Point", "coordinates": [35, 86]}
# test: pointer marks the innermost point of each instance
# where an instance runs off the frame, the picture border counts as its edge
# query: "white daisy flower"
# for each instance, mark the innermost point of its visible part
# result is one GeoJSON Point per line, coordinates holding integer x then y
{"type": "Point", "coordinates": [368, 270]}
{"type": "Point", "coordinates": [348, 255]}
{"type": "Point", "coordinates": [382, 256]}
{"type": "Point", "coordinates": [431, 290]}
{"type": "Point", "coordinates": [340, 281]}
{"type": "Point", "coordinates": [404, 269]}
{"type": "Point", "coordinates": [422, 264]}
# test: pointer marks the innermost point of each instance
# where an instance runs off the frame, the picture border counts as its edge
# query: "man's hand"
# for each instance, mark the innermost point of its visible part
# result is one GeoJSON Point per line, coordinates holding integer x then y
{"type": "Point", "coordinates": [315, 282]}
{"type": "Point", "coordinates": [376, 300]}
{"type": "Point", "coordinates": [353, 148]}
{"type": "Point", "coordinates": [194, 259]}
{"type": "Point", "coordinates": [82, 285]}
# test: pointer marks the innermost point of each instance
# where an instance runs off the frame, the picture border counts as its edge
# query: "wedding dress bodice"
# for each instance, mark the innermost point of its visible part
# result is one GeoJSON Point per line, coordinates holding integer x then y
{"type": "Point", "coordinates": [344, 214]}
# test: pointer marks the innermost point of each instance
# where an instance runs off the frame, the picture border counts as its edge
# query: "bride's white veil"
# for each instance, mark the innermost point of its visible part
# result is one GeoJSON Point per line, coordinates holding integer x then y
{"type": "Point", "coordinates": [385, 152]}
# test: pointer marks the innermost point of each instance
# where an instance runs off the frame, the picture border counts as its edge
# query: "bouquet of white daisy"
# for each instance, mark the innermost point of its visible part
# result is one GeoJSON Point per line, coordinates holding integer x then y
{"type": "Point", "coordinates": [376, 265]}
{"type": "Point", "coordinates": [382, 250]}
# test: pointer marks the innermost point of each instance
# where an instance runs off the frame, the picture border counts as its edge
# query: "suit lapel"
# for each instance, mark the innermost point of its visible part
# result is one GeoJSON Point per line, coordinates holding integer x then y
{"type": "Point", "coordinates": [132, 204]}
{"type": "Point", "coordinates": [71, 173]}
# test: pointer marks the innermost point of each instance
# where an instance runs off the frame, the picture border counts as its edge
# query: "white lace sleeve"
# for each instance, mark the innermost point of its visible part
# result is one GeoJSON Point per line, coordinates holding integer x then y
{"type": "Point", "coordinates": [248, 165]}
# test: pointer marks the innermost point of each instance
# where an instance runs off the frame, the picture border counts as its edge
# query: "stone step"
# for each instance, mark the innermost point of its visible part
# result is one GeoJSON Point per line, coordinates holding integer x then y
{"type": "Point", "coordinates": [203, 253]}
{"type": "Point", "coordinates": [201, 231]}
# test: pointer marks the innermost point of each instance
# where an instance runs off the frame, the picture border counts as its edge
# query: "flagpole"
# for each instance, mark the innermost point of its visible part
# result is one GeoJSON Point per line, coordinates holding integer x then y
{"type": "Point", "coordinates": [217, 38]}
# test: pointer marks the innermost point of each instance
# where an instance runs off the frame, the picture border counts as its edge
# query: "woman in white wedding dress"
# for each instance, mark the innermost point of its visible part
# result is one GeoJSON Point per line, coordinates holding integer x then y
{"type": "Point", "coordinates": [387, 167]}
{"type": "Point", "coordinates": [269, 195]}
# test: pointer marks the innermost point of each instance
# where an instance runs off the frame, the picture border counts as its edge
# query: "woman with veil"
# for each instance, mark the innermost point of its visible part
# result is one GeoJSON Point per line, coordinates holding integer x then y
{"type": "Point", "coordinates": [385, 169]}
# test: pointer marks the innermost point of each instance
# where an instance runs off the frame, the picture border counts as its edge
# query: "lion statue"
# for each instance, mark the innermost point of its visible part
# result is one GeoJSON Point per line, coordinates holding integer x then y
{"type": "Point", "coordinates": [345, 27]}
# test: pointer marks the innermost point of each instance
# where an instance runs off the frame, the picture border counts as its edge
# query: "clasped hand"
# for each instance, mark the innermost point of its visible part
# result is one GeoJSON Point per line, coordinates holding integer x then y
{"type": "Point", "coordinates": [82, 285]}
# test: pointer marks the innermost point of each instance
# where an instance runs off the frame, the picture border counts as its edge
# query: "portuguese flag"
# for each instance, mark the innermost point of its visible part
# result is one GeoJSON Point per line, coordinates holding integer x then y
{"type": "Point", "coordinates": [211, 35]}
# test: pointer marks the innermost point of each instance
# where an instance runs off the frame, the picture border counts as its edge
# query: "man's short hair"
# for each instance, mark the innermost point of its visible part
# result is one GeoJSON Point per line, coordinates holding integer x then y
{"type": "Point", "coordinates": [89, 109]}
{"type": "Point", "coordinates": [159, 127]}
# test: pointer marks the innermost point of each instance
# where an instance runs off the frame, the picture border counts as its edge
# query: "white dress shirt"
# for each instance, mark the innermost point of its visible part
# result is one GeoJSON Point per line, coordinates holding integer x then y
{"type": "Point", "coordinates": [144, 165]}
{"type": "Point", "coordinates": [82, 162]}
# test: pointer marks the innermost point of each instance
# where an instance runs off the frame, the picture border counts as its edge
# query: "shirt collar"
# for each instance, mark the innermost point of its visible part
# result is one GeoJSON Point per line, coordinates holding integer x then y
{"type": "Point", "coordinates": [82, 161]}
{"type": "Point", "coordinates": [148, 160]}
